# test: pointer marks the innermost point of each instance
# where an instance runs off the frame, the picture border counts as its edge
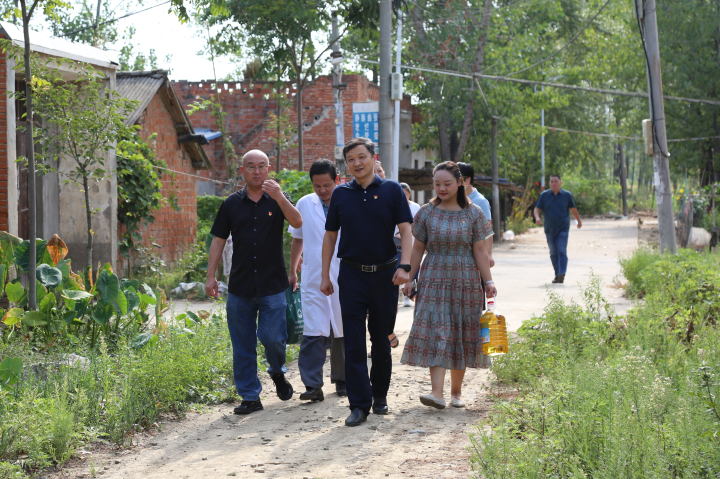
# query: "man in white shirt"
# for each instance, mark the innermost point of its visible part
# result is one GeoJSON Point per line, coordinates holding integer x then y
{"type": "Point", "coordinates": [414, 208]}
{"type": "Point", "coordinates": [321, 313]}
{"type": "Point", "coordinates": [468, 172]}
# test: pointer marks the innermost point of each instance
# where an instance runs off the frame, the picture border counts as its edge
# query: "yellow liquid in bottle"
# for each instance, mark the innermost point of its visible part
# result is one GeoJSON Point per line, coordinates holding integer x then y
{"type": "Point", "coordinates": [498, 342]}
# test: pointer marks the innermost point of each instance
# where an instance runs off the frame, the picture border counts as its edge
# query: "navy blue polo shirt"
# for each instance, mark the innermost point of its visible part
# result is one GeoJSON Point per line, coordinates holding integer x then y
{"type": "Point", "coordinates": [556, 209]}
{"type": "Point", "coordinates": [368, 218]}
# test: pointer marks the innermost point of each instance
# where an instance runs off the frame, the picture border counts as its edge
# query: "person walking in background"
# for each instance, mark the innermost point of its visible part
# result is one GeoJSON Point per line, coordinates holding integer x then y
{"type": "Point", "coordinates": [367, 210]}
{"type": "Point", "coordinates": [321, 314]}
{"type": "Point", "coordinates": [445, 333]}
{"type": "Point", "coordinates": [556, 205]}
{"type": "Point", "coordinates": [414, 208]}
{"type": "Point", "coordinates": [256, 303]}
{"type": "Point", "coordinates": [468, 173]}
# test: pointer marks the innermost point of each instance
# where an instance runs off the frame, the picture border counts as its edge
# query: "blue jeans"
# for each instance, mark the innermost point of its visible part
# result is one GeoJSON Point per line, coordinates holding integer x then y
{"type": "Point", "coordinates": [246, 327]}
{"type": "Point", "coordinates": [558, 251]}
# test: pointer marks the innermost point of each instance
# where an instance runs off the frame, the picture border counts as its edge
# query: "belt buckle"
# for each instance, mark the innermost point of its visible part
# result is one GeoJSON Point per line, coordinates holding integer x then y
{"type": "Point", "coordinates": [368, 269]}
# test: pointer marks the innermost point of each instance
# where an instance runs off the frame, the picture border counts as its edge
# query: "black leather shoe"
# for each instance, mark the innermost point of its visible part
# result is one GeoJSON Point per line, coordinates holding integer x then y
{"type": "Point", "coordinates": [340, 389]}
{"type": "Point", "coordinates": [246, 407]}
{"type": "Point", "coordinates": [282, 386]}
{"type": "Point", "coordinates": [356, 417]}
{"type": "Point", "coordinates": [312, 394]}
{"type": "Point", "coordinates": [559, 279]}
{"type": "Point", "coordinates": [380, 407]}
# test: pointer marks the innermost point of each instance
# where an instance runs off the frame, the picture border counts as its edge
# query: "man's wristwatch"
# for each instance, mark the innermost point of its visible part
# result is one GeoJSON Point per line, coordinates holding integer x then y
{"type": "Point", "coordinates": [406, 267]}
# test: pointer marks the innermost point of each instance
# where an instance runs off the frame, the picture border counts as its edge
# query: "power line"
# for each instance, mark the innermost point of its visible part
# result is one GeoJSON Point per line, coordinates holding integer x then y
{"type": "Point", "coordinates": [564, 46]}
{"type": "Point", "coordinates": [113, 20]}
{"type": "Point", "coordinates": [549, 84]}
{"type": "Point", "coordinates": [633, 138]}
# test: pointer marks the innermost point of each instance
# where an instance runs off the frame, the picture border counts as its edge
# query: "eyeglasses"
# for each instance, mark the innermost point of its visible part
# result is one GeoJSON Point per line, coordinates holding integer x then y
{"type": "Point", "coordinates": [253, 169]}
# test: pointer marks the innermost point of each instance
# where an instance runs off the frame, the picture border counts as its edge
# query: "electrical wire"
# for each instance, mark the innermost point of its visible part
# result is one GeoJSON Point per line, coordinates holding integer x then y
{"type": "Point", "coordinates": [113, 20]}
{"type": "Point", "coordinates": [564, 46]}
{"type": "Point", "coordinates": [634, 138]}
{"type": "Point", "coordinates": [548, 84]}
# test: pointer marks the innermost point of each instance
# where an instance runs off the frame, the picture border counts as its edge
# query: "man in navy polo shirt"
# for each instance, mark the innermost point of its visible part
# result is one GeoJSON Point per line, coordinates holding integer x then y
{"type": "Point", "coordinates": [557, 204]}
{"type": "Point", "coordinates": [367, 209]}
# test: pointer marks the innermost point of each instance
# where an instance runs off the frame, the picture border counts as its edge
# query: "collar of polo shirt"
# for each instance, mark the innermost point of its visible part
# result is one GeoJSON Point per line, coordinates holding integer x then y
{"type": "Point", "coordinates": [354, 184]}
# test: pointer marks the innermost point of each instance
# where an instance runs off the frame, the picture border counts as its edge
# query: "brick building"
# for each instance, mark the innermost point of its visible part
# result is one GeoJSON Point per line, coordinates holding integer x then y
{"type": "Point", "coordinates": [160, 112]}
{"type": "Point", "coordinates": [248, 105]}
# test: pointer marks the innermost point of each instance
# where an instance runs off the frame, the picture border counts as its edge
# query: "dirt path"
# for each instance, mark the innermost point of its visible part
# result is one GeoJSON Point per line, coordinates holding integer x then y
{"type": "Point", "coordinates": [296, 440]}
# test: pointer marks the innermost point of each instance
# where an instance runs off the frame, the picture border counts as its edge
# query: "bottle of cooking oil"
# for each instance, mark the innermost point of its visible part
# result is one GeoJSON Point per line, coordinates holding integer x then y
{"type": "Point", "coordinates": [493, 331]}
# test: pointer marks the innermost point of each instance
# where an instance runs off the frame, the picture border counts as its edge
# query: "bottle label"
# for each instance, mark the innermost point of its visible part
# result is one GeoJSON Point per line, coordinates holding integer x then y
{"type": "Point", "coordinates": [485, 335]}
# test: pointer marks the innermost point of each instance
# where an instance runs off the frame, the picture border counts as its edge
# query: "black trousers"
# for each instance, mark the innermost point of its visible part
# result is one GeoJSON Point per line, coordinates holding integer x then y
{"type": "Point", "coordinates": [371, 295]}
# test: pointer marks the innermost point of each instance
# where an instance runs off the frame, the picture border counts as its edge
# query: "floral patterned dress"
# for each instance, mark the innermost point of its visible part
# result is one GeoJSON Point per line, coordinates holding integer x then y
{"type": "Point", "coordinates": [449, 301]}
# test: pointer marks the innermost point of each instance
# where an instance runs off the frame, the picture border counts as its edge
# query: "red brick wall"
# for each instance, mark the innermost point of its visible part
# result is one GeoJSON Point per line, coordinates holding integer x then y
{"type": "Point", "coordinates": [4, 226]}
{"type": "Point", "coordinates": [248, 104]}
{"type": "Point", "coordinates": [174, 231]}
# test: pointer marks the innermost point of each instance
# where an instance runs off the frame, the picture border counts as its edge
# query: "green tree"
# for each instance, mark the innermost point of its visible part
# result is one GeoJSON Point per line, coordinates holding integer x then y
{"type": "Point", "coordinates": [82, 121]}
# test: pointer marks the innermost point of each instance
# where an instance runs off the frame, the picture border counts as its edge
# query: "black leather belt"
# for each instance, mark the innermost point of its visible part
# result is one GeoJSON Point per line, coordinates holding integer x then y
{"type": "Point", "coordinates": [371, 268]}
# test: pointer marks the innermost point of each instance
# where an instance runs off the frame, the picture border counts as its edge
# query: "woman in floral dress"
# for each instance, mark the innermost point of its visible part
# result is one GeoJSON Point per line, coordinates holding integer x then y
{"type": "Point", "coordinates": [446, 328]}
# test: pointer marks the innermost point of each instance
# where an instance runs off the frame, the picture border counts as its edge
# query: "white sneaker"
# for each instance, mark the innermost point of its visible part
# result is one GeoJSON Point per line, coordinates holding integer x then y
{"type": "Point", "coordinates": [407, 303]}
{"type": "Point", "coordinates": [457, 402]}
{"type": "Point", "coordinates": [432, 401]}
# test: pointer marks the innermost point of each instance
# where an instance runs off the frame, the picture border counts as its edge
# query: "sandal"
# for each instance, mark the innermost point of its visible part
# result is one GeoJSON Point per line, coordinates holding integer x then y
{"type": "Point", "coordinates": [394, 341]}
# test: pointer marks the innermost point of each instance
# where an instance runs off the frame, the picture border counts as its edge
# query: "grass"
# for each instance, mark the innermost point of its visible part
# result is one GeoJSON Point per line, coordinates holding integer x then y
{"type": "Point", "coordinates": [56, 407]}
{"type": "Point", "coordinates": [603, 396]}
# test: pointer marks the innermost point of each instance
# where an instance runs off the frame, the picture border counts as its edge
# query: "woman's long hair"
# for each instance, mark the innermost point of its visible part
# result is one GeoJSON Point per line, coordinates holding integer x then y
{"type": "Point", "coordinates": [454, 170]}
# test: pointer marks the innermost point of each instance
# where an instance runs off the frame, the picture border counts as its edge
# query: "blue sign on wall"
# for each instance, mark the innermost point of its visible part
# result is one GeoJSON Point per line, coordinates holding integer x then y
{"type": "Point", "coordinates": [366, 121]}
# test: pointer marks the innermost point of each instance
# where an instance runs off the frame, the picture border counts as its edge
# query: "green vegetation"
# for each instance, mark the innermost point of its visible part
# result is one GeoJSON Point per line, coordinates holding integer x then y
{"type": "Point", "coordinates": [588, 393]}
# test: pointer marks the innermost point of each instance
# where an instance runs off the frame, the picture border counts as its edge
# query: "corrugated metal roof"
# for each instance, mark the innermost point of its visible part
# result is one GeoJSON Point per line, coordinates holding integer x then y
{"type": "Point", "coordinates": [208, 133]}
{"type": "Point", "coordinates": [41, 42]}
{"type": "Point", "coordinates": [140, 86]}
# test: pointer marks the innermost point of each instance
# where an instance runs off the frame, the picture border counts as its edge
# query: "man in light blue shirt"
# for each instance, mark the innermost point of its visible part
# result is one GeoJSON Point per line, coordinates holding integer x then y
{"type": "Point", "coordinates": [468, 173]}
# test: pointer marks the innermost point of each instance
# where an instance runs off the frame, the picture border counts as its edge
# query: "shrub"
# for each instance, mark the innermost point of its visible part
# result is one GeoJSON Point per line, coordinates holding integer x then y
{"type": "Point", "coordinates": [609, 397]}
{"type": "Point", "coordinates": [207, 208]}
{"type": "Point", "coordinates": [592, 195]}
{"type": "Point", "coordinates": [633, 265]}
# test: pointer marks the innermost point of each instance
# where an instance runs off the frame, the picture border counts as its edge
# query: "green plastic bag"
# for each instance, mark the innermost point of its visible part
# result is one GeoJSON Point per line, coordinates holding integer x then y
{"type": "Point", "coordinates": [294, 316]}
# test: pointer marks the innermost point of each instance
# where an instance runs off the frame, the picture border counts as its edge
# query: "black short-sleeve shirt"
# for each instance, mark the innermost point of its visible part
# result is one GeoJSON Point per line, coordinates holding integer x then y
{"type": "Point", "coordinates": [258, 265]}
{"type": "Point", "coordinates": [368, 218]}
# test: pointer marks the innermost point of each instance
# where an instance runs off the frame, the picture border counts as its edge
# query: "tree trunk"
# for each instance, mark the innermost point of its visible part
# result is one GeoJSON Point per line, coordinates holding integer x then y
{"type": "Point", "coordinates": [32, 284]}
{"type": "Point", "coordinates": [477, 68]}
{"type": "Point", "coordinates": [279, 112]}
{"type": "Point", "coordinates": [300, 126]}
{"type": "Point", "coordinates": [88, 213]}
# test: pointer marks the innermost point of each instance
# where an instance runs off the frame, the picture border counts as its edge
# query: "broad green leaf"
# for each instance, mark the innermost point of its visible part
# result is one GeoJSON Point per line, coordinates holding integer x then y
{"type": "Point", "coordinates": [70, 317]}
{"type": "Point", "coordinates": [8, 243]}
{"type": "Point", "coordinates": [49, 276]}
{"type": "Point", "coordinates": [208, 242]}
{"type": "Point", "coordinates": [3, 277]}
{"type": "Point", "coordinates": [109, 286]}
{"type": "Point", "coordinates": [149, 291]}
{"type": "Point", "coordinates": [194, 317]}
{"type": "Point", "coordinates": [15, 292]}
{"type": "Point", "coordinates": [64, 267]}
{"type": "Point", "coordinates": [102, 314]}
{"type": "Point", "coordinates": [144, 339]}
{"type": "Point", "coordinates": [121, 304]}
{"type": "Point", "coordinates": [13, 316]}
{"type": "Point", "coordinates": [75, 295]}
{"type": "Point", "coordinates": [133, 300]}
{"type": "Point", "coordinates": [22, 253]}
{"type": "Point", "coordinates": [41, 291]}
{"type": "Point", "coordinates": [10, 371]}
{"type": "Point", "coordinates": [125, 284]}
{"type": "Point", "coordinates": [47, 303]}
{"type": "Point", "coordinates": [35, 318]}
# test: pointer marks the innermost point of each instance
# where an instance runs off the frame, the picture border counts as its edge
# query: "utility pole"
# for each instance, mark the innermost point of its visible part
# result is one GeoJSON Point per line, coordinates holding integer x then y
{"type": "Point", "coordinates": [661, 165]}
{"type": "Point", "coordinates": [623, 170]}
{"type": "Point", "coordinates": [338, 87]}
{"type": "Point", "coordinates": [398, 98]}
{"type": "Point", "coordinates": [385, 106]}
{"type": "Point", "coordinates": [495, 181]}
{"type": "Point", "coordinates": [542, 145]}
{"type": "Point", "coordinates": [97, 21]}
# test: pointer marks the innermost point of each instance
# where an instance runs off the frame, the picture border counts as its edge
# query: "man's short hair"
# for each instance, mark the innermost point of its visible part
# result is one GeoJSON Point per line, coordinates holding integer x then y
{"type": "Point", "coordinates": [406, 187]}
{"type": "Point", "coordinates": [556, 176]}
{"type": "Point", "coordinates": [359, 141]}
{"type": "Point", "coordinates": [467, 170]}
{"type": "Point", "coordinates": [321, 167]}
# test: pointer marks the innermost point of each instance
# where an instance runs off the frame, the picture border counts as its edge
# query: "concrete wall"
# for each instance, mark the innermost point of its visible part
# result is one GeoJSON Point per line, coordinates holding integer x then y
{"type": "Point", "coordinates": [8, 168]}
